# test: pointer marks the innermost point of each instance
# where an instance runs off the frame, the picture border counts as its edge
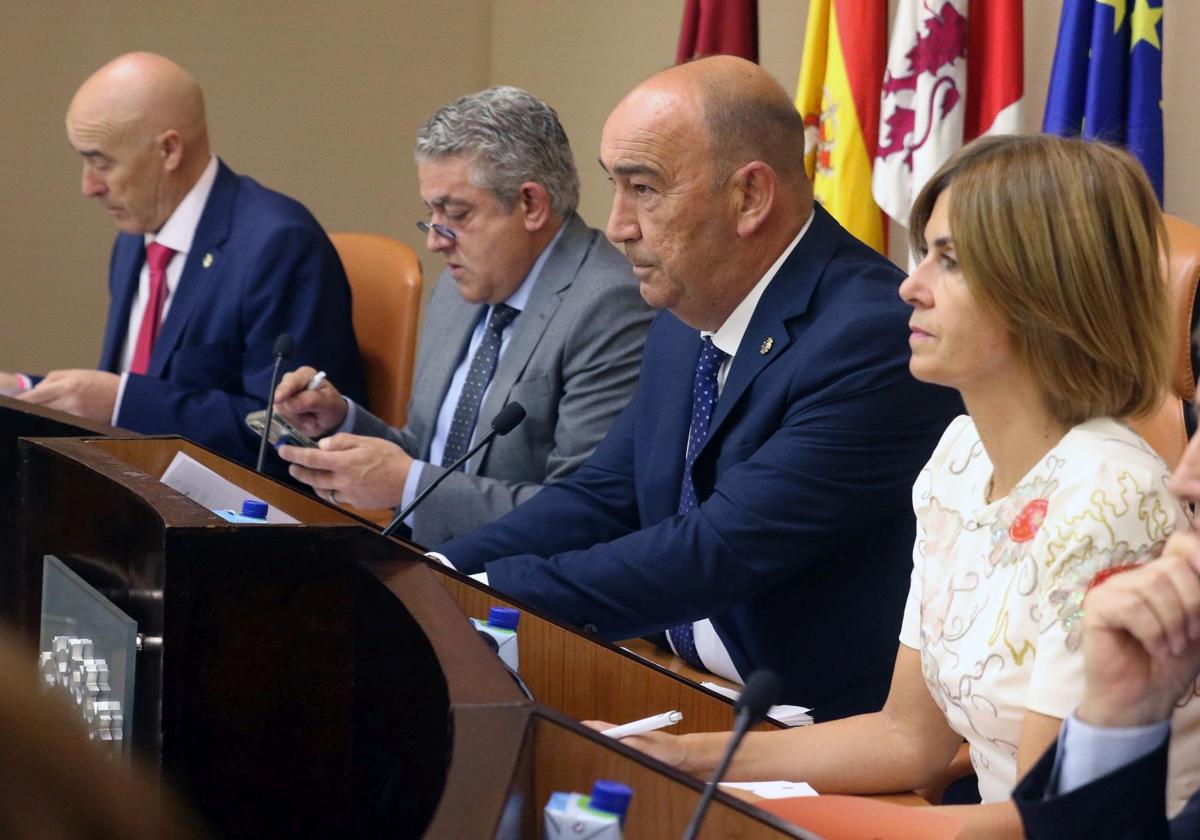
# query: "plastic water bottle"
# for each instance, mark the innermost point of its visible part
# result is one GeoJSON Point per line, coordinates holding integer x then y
{"type": "Point", "coordinates": [253, 512]}
{"type": "Point", "coordinates": [576, 816]}
{"type": "Point", "coordinates": [501, 625]}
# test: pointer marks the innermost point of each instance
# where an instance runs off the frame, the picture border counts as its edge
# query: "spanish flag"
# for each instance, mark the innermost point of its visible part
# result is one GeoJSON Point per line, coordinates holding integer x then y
{"type": "Point", "coordinates": [845, 52]}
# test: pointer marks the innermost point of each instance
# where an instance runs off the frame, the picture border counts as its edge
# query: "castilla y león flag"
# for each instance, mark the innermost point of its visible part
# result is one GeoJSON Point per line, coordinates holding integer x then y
{"type": "Point", "coordinates": [954, 72]}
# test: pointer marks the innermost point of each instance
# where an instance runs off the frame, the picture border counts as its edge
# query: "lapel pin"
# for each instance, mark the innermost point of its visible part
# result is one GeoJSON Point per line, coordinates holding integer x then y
{"type": "Point", "coordinates": [765, 347]}
{"type": "Point", "coordinates": [208, 260]}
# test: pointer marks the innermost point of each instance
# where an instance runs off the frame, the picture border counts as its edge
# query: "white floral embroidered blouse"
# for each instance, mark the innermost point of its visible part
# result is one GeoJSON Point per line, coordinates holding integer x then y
{"type": "Point", "coordinates": [994, 605]}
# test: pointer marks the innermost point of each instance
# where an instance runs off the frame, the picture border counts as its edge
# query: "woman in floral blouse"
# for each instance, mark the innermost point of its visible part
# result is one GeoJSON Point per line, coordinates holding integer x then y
{"type": "Point", "coordinates": [1040, 298]}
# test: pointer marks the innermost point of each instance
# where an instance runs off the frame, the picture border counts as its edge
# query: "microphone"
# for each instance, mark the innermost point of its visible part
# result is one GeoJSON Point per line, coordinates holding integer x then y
{"type": "Point", "coordinates": [284, 345]}
{"type": "Point", "coordinates": [506, 419]}
{"type": "Point", "coordinates": [762, 690]}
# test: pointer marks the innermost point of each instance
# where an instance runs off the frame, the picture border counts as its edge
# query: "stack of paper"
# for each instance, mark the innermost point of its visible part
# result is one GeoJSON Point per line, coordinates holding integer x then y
{"type": "Point", "coordinates": [188, 476]}
{"type": "Point", "coordinates": [787, 715]}
{"type": "Point", "coordinates": [773, 790]}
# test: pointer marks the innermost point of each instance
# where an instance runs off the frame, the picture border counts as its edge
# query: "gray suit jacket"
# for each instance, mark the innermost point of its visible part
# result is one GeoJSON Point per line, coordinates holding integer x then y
{"type": "Point", "coordinates": [572, 361]}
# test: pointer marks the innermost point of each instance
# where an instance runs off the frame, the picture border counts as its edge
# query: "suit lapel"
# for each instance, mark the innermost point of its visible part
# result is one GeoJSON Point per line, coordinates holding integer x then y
{"type": "Point", "coordinates": [127, 271]}
{"type": "Point", "coordinates": [785, 299]}
{"type": "Point", "coordinates": [202, 266]}
{"type": "Point", "coordinates": [555, 278]}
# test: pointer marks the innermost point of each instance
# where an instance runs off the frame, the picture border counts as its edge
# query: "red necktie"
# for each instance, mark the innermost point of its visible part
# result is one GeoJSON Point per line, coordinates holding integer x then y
{"type": "Point", "coordinates": [157, 257]}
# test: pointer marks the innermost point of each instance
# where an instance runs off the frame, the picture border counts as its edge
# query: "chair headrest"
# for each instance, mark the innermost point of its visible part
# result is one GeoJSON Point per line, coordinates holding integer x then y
{"type": "Point", "coordinates": [1183, 275]}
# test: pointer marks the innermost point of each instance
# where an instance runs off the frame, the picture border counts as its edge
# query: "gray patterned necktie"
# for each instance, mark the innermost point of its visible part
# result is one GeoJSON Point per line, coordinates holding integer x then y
{"type": "Point", "coordinates": [483, 366]}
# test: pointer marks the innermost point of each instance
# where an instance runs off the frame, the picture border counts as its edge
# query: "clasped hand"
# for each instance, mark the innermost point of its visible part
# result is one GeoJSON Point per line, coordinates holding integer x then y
{"type": "Point", "coordinates": [1141, 639]}
{"type": "Point", "coordinates": [84, 393]}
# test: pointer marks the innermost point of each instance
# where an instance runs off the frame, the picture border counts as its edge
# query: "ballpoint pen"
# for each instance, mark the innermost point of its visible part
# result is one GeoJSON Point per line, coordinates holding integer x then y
{"type": "Point", "coordinates": [641, 727]}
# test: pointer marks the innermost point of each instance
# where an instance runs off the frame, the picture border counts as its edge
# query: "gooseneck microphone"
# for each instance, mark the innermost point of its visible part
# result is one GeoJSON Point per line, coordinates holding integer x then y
{"type": "Point", "coordinates": [284, 345]}
{"type": "Point", "coordinates": [761, 692]}
{"type": "Point", "coordinates": [506, 419]}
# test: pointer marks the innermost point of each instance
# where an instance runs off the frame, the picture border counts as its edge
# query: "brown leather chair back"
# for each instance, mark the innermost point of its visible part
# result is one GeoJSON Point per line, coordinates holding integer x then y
{"type": "Point", "coordinates": [1164, 429]}
{"type": "Point", "coordinates": [385, 280]}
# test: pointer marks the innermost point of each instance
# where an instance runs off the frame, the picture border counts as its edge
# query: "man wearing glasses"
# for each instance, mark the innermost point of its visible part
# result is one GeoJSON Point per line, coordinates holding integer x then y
{"type": "Point", "coordinates": [533, 307]}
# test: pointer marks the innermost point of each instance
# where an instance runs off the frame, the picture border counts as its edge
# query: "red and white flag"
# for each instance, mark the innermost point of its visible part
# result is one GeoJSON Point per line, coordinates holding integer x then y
{"type": "Point", "coordinates": [995, 68]}
{"type": "Point", "coordinates": [954, 72]}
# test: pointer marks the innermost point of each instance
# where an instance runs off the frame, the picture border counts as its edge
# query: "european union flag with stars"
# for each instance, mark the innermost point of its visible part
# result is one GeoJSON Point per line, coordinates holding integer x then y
{"type": "Point", "coordinates": [1106, 82]}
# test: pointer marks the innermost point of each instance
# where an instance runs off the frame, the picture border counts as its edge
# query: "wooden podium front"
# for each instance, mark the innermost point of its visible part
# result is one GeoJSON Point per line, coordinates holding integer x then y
{"type": "Point", "coordinates": [21, 419]}
{"type": "Point", "coordinates": [294, 680]}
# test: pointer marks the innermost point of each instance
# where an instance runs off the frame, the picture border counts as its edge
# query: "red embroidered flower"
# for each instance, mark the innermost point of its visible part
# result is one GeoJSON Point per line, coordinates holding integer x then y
{"type": "Point", "coordinates": [1028, 521]}
{"type": "Point", "coordinates": [1105, 574]}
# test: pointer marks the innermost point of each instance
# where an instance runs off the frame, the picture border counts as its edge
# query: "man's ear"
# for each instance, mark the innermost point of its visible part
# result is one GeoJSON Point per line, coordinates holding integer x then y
{"type": "Point", "coordinates": [752, 195]}
{"type": "Point", "coordinates": [170, 146]}
{"type": "Point", "coordinates": [533, 203]}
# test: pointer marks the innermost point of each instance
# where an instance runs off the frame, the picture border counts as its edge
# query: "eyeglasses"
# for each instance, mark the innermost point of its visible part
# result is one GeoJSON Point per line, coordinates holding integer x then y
{"type": "Point", "coordinates": [440, 230]}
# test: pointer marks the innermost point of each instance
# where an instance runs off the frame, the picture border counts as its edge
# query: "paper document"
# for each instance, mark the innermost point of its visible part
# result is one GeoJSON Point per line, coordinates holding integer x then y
{"type": "Point", "coordinates": [787, 715]}
{"type": "Point", "coordinates": [188, 476]}
{"type": "Point", "coordinates": [773, 790]}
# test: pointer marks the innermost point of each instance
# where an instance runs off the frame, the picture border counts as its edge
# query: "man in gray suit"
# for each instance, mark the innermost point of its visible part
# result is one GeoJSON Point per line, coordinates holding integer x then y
{"type": "Point", "coordinates": [533, 307]}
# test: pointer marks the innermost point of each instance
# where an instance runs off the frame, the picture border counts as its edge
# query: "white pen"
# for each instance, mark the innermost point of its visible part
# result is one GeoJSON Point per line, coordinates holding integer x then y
{"type": "Point", "coordinates": [315, 382]}
{"type": "Point", "coordinates": [641, 727]}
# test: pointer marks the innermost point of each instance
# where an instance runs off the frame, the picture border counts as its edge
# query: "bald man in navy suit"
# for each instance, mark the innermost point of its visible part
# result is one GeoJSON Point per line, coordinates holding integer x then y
{"type": "Point", "coordinates": [208, 269]}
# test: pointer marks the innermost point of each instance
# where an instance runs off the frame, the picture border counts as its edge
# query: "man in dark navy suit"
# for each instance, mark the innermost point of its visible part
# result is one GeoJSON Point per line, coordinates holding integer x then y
{"type": "Point", "coordinates": [208, 269]}
{"type": "Point", "coordinates": [1106, 776]}
{"type": "Point", "coordinates": [754, 499]}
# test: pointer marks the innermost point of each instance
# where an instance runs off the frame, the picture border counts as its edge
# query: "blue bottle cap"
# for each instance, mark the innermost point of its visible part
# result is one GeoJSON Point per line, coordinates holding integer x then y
{"type": "Point", "coordinates": [505, 617]}
{"type": "Point", "coordinates": [254, 508]}
{"type": "Point", "coordinates": [612, 797]}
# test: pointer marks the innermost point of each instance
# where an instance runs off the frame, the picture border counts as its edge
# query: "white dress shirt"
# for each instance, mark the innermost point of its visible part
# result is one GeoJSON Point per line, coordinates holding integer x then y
{"type": "Point", "coordinates": [1086, 753]}
{"type": "Point", "coordinates": [177, 234]}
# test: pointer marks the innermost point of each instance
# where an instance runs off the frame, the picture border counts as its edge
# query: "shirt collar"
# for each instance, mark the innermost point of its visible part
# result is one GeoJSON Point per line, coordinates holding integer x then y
{"type": "Point", "coordinates": [179, 230]}
{"type": "Point", "coordinates": [728, 336]}
{"type": "Point", "coordinates": [520, 297]}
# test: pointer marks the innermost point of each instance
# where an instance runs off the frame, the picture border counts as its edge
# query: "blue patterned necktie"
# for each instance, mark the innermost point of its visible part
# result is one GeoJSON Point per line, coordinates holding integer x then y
{"type": "Point", "coordinates": [704, 397]}
{"type": "Point", "coordinates": [483, 365]}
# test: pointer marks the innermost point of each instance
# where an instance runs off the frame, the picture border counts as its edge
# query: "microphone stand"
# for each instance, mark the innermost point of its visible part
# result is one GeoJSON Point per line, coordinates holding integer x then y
{"type": "Point", "coordinates": [283, 349]}
{"type": "Point", "coordinates": [505, 421]}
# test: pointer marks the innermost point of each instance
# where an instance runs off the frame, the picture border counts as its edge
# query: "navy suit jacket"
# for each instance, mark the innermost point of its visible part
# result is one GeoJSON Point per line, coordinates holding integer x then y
{"type": "Point", "coordinates": [801, 548]}
{"type": "Point", "coordinates": [1127, 804]}
{"type": "Point", "coordinates": [260, 265]}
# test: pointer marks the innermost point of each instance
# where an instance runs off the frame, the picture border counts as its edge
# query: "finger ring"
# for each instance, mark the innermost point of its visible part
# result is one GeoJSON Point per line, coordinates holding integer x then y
{"type": "Point", "coordinates": [333, 497]}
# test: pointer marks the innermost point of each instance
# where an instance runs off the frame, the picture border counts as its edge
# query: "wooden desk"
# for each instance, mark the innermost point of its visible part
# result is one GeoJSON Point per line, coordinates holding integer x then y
{"type": "Point", "coordinates": [588, 679]}
{"type": "Point", "coordinates": [670, 662]}
{"type": "Point", "coordinates": [533, 752]}
{"type": "Point", "coordinates": [576, 674]}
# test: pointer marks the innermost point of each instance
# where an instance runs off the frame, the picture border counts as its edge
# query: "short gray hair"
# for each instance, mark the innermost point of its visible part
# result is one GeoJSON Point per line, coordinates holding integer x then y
{"type": "Point", "coordinates": [511, 137]}
{"type": "Point", "coordinates": [745, 125]}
